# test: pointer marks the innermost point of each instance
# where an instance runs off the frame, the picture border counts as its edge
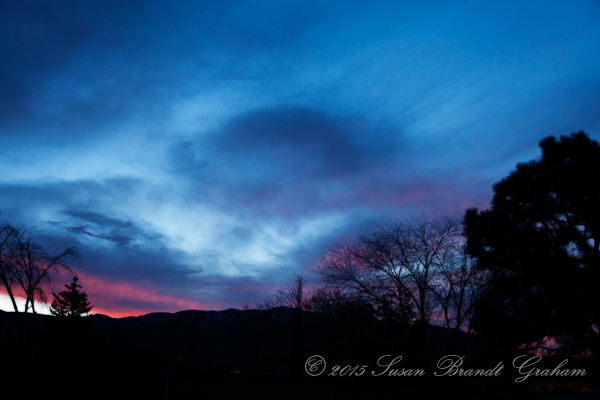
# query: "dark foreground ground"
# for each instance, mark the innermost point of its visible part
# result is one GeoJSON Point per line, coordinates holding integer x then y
{"type": "Point", "coordinates": [38, 383]}
{"type": "Point", "coordinates": [89, 383]}
{"type": "Point", "coordinates": [128, 358]}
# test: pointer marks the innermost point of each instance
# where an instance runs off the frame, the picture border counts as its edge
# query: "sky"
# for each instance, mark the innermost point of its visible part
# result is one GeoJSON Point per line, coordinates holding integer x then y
{"type": "Point", "coordinates": [201, 153]}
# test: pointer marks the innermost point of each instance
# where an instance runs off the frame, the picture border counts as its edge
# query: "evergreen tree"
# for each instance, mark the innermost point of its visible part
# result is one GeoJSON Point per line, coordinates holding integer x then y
{"type": "Point", "coordinates": [70, 302]}
{"type": "Point", "coordinates": [67, 336]}
{"type": "Point", "coordinates": [541, 243]}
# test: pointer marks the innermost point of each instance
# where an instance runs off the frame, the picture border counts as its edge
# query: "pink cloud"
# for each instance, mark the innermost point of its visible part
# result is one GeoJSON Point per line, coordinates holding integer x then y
{"type": "Point", "coordinates": [121, 298]}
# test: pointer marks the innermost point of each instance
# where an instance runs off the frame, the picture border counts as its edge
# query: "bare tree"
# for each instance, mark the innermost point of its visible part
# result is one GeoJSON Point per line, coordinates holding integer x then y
{"type": "Point", "coordinates": [415, 270]}
{"type": "Point", "coordinates": [34, 269]}
{"type": "Point", "coordinates": [395, 265]}
{"type": "Point", "coordinates": [460, 285]}
{"type": "Point", "coordinates": [27, 270]}
{"type": "Point", "coordinates": [294, 297]}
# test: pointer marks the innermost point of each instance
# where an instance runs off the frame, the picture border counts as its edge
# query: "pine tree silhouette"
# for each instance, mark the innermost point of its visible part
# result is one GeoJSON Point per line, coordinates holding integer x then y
{"type": "Point", "coordinates": [70, 302]}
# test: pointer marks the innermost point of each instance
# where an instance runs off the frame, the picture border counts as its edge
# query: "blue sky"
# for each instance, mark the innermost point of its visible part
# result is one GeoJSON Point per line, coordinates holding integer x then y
{"type": "Point", "coordinates": [201, 153]}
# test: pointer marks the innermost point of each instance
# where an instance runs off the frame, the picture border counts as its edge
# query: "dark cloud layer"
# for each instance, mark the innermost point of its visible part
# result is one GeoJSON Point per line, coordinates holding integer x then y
{"type": "Point", "coordinates": [288, 159]}
{"type": "Point", "coordinates": [307, 141]}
